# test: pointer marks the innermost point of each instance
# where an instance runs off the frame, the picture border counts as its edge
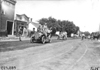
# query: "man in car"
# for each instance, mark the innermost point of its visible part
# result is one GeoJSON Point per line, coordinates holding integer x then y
{"type": "Point", "coordinates": [45, 29]}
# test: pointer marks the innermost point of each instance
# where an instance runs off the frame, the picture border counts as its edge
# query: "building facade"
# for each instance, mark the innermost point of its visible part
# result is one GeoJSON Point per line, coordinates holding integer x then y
{"type": "Point", "coordinates": [33, 25]}
{"type": "Point", "coordinates": [7, 9]}
{"type": "Point", "coordinates": [21, 21]}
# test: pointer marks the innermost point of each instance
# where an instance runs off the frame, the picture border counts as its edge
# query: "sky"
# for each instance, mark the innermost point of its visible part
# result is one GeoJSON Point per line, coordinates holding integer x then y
{"type": "Point", "coordinates": [84, 13]}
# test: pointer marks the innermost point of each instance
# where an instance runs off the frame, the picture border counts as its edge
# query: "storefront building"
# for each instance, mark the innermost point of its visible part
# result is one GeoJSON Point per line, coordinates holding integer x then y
{"type": "Point", "coordinates": [7, 10]}
{"type": "Point", "coordinates": [21, 21]}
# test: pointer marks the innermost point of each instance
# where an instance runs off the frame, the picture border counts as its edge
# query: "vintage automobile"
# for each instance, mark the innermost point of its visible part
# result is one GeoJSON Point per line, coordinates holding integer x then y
{"type": "Point", "coordinates": [40, 37]}
{"type": "Point", "coordinates": [62, 35]}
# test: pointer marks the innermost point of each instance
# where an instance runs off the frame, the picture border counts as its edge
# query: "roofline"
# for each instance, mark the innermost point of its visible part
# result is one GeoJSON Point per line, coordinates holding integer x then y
{"type": "Point", "coordinates": [11, 1]}
{"type": "Point", "coordinates": [25, 15]}
{"type": "Point", "coordinates": [20, 21]}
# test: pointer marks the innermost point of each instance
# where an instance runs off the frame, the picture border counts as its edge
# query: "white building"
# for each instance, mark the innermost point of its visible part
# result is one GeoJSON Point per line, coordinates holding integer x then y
{"type": "Point", "coordinates": [33, 25]}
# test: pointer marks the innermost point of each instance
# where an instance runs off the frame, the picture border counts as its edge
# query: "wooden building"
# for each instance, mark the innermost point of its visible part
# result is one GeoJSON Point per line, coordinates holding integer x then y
{"type": "Point", "coordinates": [33, 25]}
{"type": "Point", "coordinates": [20, 21]}
{"type": "Point", "coordinates": [7, 10]}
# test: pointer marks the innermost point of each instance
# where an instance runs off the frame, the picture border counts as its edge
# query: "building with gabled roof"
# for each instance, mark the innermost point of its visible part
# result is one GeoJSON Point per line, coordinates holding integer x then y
{"type": "Point", "coordinates": [20, 21]}
{"type": "Point", "coordinates": [33, 25]}
{"type": "Point", "coordinates": [7, 10]}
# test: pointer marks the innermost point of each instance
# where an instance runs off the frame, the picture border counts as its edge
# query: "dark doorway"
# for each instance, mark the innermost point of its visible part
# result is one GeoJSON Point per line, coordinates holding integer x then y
{"type": "Point", "coordinates": [9, 27]}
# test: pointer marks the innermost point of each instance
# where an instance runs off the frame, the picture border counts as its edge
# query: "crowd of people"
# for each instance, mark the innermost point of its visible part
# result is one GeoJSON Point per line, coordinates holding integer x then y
{"type": "Point", "coordinates": [23, 32]}
{"type": "Point", "coordinates": [45, 30]}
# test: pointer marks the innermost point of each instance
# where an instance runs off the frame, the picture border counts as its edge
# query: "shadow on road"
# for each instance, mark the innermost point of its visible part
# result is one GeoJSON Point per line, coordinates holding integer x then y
{"type": "Point", "coordinates": [16, 45]}
{"type": "Point", "coordinates": [19, 45]}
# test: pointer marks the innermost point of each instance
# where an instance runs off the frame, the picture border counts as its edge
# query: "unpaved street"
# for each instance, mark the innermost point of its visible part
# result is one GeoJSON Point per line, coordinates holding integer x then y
{"type": "Point", "coordinates": [66, 55]}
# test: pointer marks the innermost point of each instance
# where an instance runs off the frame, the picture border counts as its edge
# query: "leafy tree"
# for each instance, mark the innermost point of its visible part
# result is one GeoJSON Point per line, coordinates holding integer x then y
{"type": "Point", "coordinates": [58, 25]}
{"type": "Point", "coordinates": [86, 33]}
{"type": "Point", "coordinates": [76, 29]}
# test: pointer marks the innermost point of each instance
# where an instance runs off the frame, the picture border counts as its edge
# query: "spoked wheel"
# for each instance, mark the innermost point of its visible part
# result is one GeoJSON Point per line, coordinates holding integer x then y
{"type": "Point", "coordinates": [43, 40]}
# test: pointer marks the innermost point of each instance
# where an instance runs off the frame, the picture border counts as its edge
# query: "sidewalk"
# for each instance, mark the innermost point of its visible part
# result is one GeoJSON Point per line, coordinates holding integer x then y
{"type": "Point", "coordinates": [14, 38]}
{"type": "Point", "coordinates": [5, 39]}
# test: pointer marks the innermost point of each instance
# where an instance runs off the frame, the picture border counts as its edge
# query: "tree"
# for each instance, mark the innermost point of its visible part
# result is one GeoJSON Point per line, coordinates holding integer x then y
{"type": "Point", "coordinates": [43, 20]}
{"type": "Point", "coordinates": [86, 33]}
{"type": "Point", "coordinates": [76, 29]}
{"type": "Point", "coordinates": [58, 25]}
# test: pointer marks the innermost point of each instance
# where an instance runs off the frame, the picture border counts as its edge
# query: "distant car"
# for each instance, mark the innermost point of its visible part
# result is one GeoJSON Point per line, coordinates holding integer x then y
{"type": "Point", "coordinates": [40, 37]}
{"type": "Point", "coordinates": [62, 35]}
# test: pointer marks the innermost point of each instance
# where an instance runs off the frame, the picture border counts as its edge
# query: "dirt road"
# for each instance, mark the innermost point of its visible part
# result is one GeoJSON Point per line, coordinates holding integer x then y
{"type": "Point", "coordinates": [66, 55]}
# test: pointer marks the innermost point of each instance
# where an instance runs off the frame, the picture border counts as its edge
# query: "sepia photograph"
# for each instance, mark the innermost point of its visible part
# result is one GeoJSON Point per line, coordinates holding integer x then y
{"type": "Point", "coordinates": [49, 34]}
